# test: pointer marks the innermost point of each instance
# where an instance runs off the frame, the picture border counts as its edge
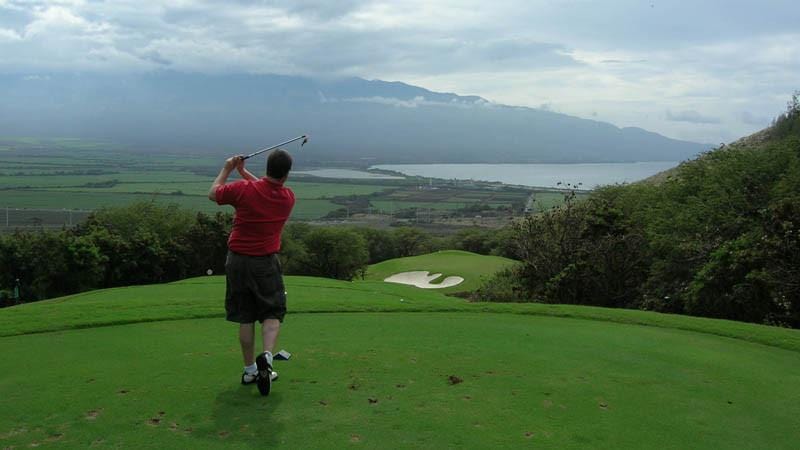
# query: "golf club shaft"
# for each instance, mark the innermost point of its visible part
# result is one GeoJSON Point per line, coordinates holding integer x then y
{"type": "Point", "coordinates": [274, 146]}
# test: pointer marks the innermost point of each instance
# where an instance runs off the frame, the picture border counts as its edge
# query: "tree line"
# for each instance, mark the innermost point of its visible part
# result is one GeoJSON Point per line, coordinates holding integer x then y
{"type": "Point", "coordinates": [149, 242]}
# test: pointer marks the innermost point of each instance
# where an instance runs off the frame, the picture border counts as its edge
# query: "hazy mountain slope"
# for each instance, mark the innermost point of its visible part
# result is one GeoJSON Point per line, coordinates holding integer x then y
{"type": "Point", "coordinates": [352, 120]}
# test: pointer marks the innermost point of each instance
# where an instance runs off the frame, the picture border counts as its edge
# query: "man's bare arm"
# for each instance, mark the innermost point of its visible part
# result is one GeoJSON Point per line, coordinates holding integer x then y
{"type": "Point", "coordinates": [230, 164]}
{"type": "Point", "coordinates": [244, 173]}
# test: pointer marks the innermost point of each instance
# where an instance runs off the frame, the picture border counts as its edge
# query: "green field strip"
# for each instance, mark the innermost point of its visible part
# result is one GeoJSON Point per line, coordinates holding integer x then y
{"type": "Point", "coordinates": [168, 182]}
{"type": "Point", "coordinates": [388, 206]}
{"type": "Point", "coordinates": [47, 181]}
{"type": "Point", "coordinates": [46, 199]}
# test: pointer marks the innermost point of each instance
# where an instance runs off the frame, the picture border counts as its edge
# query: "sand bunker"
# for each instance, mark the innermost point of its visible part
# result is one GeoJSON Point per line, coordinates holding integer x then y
{"type": "Point", "coordinates": [421, 279]}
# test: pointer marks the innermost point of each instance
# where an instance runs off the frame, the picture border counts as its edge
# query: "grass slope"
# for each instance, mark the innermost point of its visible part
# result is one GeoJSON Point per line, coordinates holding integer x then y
{"type": "Point", "coordinates": [366, 380]}
{"type": "Point", "coordinates": [472, 267]}
{"type": "Point", "coordinates": [377, 364]}
{"type": "Point", "coordinates": [202, 298]}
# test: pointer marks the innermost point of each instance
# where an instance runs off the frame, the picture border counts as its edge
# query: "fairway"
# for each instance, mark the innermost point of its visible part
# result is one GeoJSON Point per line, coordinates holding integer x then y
{"type": "Point", "coordinates": [376, 364]}
{"type": "Point", "coordinates": [364, 380]}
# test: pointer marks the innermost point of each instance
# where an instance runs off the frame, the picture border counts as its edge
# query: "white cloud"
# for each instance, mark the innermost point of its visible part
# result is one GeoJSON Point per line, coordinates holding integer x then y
{"type": "Point", "coordinates": [412, 103]}
{"type": "Point", "coordinates": [59, 18]}
{"type": "Point", "coordinates": [625, 62]}
{"type": "Point", "coordinates": [9, 35]}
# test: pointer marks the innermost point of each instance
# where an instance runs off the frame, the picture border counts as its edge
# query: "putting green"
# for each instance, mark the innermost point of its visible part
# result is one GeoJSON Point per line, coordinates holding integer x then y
{"type": "Point", "coordinates": [412, 380]}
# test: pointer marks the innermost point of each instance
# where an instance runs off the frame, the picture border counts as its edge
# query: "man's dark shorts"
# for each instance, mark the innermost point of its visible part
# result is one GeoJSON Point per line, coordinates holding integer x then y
{"type": "Point", "coordinates": [254, 290]}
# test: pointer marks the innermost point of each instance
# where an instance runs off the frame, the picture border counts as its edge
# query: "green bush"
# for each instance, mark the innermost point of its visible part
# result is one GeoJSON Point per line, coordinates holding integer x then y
{"type": "Point", "coordinates": [335, 253]}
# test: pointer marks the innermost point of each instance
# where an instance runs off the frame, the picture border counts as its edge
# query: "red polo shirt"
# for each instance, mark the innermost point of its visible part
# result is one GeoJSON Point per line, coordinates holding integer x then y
{"type": "Point", "coordinates": [262, 208]}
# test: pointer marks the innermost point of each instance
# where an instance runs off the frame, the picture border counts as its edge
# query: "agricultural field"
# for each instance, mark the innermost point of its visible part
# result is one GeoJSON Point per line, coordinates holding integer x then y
{"type": "Point", "coordinates": [308, 209]}
{"type": "Point", "coordinates": [377, 364]}
{"type": "Point", "coordinates": [48, 176]}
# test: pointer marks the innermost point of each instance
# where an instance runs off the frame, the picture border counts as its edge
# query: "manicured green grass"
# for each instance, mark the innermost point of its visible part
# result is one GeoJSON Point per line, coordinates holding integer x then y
{"type": "Point", "coordinates": [472, 267]}
{"type": "Point", "coordinates": [201, 297]}
{"type": "Point", "coordinates": [401, 380]}
{"type": "Point", "coordinates": [377, 364]}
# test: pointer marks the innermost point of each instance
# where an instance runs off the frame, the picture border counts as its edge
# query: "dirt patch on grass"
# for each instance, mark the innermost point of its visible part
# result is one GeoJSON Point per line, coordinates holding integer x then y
{"type": "Point", "coordinates": [93, 414]}
{"type": "Point", "coordinates": [55, 437]}
{"type": "Point", "coordinates": [453, 380]}
{"type": "Point", "coordinates": [13, 432]}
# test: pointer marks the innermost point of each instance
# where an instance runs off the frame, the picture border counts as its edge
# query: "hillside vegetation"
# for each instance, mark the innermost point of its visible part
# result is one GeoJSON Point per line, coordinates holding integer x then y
{"type": "Point", "coordinates": [718, 237]}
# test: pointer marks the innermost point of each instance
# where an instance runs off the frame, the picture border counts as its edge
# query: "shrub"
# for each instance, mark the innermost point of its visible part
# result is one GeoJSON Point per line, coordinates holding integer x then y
{"type": "Point", "coordinates": [335, 253]}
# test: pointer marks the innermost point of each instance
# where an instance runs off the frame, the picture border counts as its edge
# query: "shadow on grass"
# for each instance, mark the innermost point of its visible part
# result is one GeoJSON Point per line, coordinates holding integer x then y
{"type": "Point", "coordinates": [242, 416]}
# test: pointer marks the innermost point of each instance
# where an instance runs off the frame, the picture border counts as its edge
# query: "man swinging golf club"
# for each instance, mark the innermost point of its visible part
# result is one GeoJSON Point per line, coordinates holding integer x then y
{"type": "Point", "coordinates": [254, 289]}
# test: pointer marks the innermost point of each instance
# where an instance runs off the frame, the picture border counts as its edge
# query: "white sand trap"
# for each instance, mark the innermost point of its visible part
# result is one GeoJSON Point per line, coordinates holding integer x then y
{"type": "Point", "coordinates": [421, 279]}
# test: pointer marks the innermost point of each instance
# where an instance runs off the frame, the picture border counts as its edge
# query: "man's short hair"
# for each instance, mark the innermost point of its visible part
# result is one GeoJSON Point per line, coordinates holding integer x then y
{"type": "Point", "coordinates": [279, 163]}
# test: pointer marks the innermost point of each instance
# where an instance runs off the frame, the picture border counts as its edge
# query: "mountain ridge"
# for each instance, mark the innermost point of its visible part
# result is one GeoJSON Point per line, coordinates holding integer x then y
{"type": "Point", "coordinates": [351, 120]}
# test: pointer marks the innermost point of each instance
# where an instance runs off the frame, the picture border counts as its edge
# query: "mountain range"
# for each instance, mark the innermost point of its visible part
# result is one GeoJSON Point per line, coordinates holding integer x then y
{"type": "Point", "coordinates": [351, 121]}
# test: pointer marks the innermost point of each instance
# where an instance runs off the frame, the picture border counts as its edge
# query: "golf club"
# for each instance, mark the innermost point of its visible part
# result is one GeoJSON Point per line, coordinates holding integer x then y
{"type": "Point", "coordinates": [303, 137]}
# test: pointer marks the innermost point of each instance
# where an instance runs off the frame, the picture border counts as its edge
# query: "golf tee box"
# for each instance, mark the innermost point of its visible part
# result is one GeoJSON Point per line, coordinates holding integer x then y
{"type": "Point", "coordinates": [282, 355]}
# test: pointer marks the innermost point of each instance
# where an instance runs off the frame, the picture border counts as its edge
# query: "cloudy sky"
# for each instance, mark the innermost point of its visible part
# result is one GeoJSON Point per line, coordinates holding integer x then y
{"type": "Point", "coordinates": [703, 70]}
